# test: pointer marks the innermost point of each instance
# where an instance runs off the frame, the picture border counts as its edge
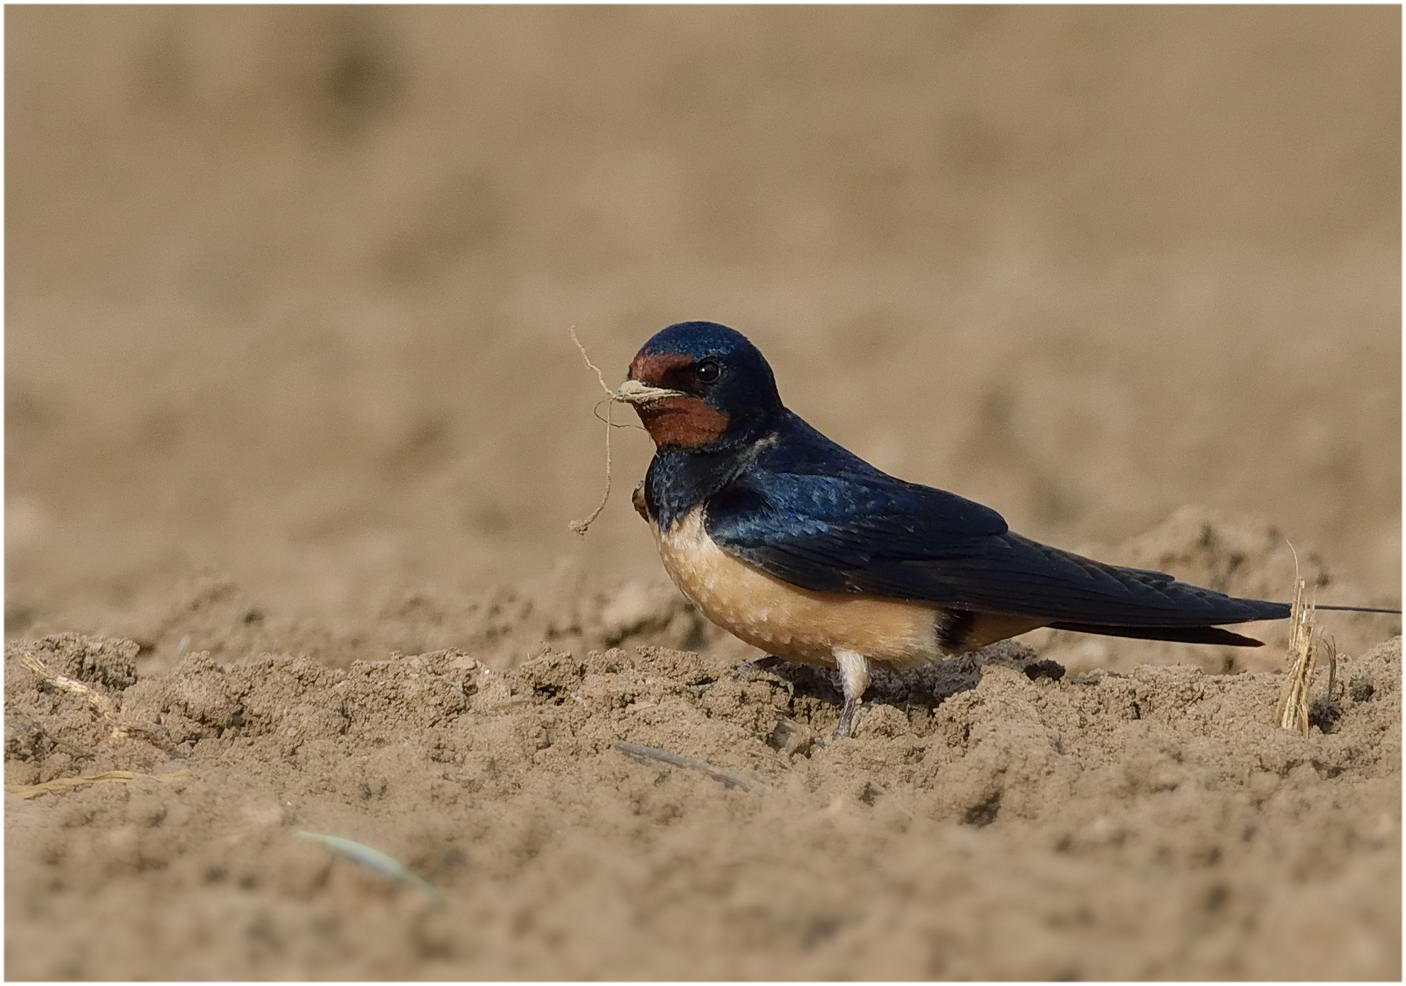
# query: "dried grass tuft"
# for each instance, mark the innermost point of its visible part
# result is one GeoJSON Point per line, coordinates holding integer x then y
{"type": "Point", "coordinates": [1305, 643]}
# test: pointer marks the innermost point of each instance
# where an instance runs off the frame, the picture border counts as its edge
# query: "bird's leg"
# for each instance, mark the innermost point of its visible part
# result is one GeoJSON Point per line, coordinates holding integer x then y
{"type": "Point", "coordinates": [758, 664]}
{"type": "Point", "coordinates": [854, 675]}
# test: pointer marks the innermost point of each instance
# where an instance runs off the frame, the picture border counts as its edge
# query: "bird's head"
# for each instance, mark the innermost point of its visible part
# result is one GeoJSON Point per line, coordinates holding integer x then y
{"type": "Point", "coordinates": [699, 386]}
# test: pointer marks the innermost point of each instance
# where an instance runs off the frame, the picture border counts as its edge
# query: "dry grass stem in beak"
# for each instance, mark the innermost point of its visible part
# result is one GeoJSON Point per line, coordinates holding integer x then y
{"type": "Point", "coordinates": [635, 392]}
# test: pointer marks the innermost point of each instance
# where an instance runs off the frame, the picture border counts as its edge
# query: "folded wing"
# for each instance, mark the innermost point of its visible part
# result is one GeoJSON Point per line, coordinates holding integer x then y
{"type": "Point", "coordinates": [870, 533]}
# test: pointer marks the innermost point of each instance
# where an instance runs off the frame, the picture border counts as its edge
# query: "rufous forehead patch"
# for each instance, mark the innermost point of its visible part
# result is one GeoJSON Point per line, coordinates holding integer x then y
{"type": "Point", "coordinates": [651, 368]}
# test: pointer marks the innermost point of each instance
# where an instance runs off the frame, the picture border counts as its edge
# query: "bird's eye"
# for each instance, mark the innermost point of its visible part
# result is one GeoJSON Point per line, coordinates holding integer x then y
{"type": "Point", "coordinates": [708, 371]}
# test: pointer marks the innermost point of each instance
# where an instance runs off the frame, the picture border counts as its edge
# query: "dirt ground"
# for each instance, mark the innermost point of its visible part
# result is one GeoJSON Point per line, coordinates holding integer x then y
{"type": "Point", "coordinates": [294, 430]}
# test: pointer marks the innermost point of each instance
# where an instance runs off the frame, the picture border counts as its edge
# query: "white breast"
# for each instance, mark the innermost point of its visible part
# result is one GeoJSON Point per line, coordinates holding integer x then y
{"type": "Point", "coordinates": [788, 621]}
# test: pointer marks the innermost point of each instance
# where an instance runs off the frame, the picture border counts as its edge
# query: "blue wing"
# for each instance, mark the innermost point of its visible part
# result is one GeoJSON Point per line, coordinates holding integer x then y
{"type": "Point", "coordinates": [817, 517]}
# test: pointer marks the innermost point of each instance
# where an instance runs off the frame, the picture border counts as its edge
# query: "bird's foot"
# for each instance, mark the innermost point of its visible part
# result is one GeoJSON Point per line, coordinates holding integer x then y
{"type": "Point", "coordinates": [849, 712]}
{"type": "Point", "coordinates": [854, 677]}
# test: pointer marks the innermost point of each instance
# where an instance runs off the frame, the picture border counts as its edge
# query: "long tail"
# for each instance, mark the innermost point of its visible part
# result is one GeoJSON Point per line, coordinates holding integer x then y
{"type": "Point", "coordinates": [1208, 634]}
{"type": "Point", "coordinates": [1183, 635]}
{"type": "Point", "coordinates": [1017, 577]}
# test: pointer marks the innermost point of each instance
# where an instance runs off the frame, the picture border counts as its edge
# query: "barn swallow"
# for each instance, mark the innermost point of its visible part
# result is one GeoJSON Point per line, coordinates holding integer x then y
{"type": "Point", "coordinates": [799, 547]}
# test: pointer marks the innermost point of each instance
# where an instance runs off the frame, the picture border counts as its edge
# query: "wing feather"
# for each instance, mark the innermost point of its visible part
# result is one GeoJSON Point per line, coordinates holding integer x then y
{"type": "Point", "coordinates": [869, 533]}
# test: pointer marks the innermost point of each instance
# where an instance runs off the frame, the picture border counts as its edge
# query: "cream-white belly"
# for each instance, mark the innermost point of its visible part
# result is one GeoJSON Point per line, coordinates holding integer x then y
{"type": "Point", "coordinates": [786, 620]}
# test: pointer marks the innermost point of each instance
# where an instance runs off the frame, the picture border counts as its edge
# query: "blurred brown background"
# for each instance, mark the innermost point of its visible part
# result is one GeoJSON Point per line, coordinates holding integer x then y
{"type": "Point", "coordinates": [288, 373]}
{"type": "Point", "coordinates": [289, 289]}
